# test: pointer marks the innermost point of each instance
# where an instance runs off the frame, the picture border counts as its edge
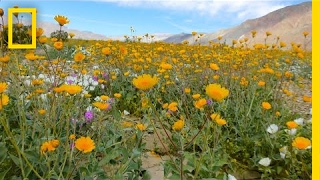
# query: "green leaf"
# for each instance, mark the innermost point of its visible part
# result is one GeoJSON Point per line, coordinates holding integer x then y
{"type": "Point", "coordinates": [136, 152]}
{"type": "Point", "coordinates": [279, 169]}
{"type": "Point", "coordinates": [33, 156]}
{"type": "Point", "coordinates": [221, 162]}
{"type": "Point", "coordinates": [15, 159]}
{"type": "Point", "coordinates": [104, 161]}
{"type": "Point", "coordinates": [27, 170]}
{"type": "Point", "coordinates": [116, 114]}
{"type": "Point", "coordinates": [109, 158]}
{"type": "Point", "coordinates": [204, 168]}
{"type": "Point", "coordinates": [3, 174]}
{"type": "Point", "coordinates": [3, 152]}
{"type": "Point", "coordinates": [146, 176]}
{"type": "Point", "coordinates": [175, 176]}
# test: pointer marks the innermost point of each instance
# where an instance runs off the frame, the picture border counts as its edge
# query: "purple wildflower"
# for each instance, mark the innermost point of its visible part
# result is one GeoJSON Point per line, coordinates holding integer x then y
{"type": "Point", "coordinates": [105, 75]}
{"type": "Point", "coordinates": [69, 81]}
{"type": "Point", "coordinates": [111, 100]}
{"type": "Point", "coordinates": [95, 78]}
{"type": "Point", "coordinates": [109, 107]}
{"type": "Point", "coordinates": [88, 115]}
{"type": "Point", "coordinates": [209, 101]}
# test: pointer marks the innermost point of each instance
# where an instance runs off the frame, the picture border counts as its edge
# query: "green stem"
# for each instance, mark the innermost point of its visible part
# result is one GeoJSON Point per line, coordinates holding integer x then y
{"type": "Point", "coordinates": [67, 147]}
{"type": "Point", "coordinates": [181, 154]}
{"type": "Point", "coordinates": [11, 137]}
{"type": "Point", "coordinates": [194, 137]}
{"type": "Point", "coordinates": [165, 148]}
{"type": "Point", "coordinates": [162, 126]}
{"type": "Point", "coordinates": [251, 103]}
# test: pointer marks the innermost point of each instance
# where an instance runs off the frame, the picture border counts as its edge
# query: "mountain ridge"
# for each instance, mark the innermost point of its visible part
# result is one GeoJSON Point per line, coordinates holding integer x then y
{"type": "Point", "coordinates": [287, 23]}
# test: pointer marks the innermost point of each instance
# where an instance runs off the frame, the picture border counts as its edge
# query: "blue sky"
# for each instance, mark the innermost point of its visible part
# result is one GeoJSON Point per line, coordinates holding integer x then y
{"type": "Point", "coordinates": [114, 18]}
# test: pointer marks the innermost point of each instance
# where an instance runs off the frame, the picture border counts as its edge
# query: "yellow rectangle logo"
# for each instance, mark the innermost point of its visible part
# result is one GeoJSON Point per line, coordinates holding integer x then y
{"type": "Point", "coordinates": [33, 28]}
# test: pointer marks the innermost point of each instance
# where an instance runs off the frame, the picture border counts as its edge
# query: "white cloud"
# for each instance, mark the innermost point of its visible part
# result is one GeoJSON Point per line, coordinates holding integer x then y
{"type": "Point", "coordinates": [188, 20]}
{"type": "Point", "coordinates": [242, 9]}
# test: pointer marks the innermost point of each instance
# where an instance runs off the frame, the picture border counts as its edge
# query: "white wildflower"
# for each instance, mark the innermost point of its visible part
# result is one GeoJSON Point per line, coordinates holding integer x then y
{"type": "Point", "coordinates": [299, 121]}
{"type": "Point", "coordinates": [291, 131]}
{"type": "Point", "coordinates": [265, 161]}
{"type": "Point", "coordinates": [125, 112]}
{"type": "Point", "coordinates": [273, 128]}
{"type": "Point", "coordinates": [283, 151]}
{"type": "Point", "coordinates": [231, 177]}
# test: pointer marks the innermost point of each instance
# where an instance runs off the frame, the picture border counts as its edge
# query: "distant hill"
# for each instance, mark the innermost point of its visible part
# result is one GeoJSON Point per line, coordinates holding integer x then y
{"type": "Point", "coordinates": [156, 37]}
{"type": "Point", "coordinates": [288, 23]}
{"type": "Point", "coordinates": [49, 27]}
{"type": "Point", "coordinates": [178, 38]}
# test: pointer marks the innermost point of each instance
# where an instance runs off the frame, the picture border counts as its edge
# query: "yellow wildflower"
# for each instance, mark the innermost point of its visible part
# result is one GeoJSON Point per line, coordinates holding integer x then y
{"type": "Point", "coordinates": [200, 103]}
{"type": "Point", "coordinates": [58, 45]}
{"type": "Point", "coordinates": [84, 144]}
{"type": "Point", "coordinates": [73, 89]}
{"type": "Point", "coordinates": [216, 92]}
{"type": "Point", "coordinates": [178, 125]}
{"type": "Point", "coordinates": [145, 81]}
{"type": "Point", "coordinates": [5, 59]}
{"type": "Point", "coordinates": [49, 146]}
{"type": "Point", "coordinates": [214, 66]}
{"type": "Point", "coordinates": [126, 124]}
{"type": "Point", "coordinates": [71, 35]}
{"type": "Point", "coordinates": [62, 20]}
{"type": "Point", "coordinates": [261, 83]}
{"type": "Point", "coordinates": [78, 57]}
{"type": "Point", "coordinates": [4, 100]}
{"type": "Point", "coordinates": [106, 51]}
{"type": "Point", "coordinates": [141, 127]}
{"type": "Point", "coordinates": [173, 106]}
{"type": "Point", "coordinates": [72, 137]}
{"type": "Point", "coordinates": [102, 105]}
{"type": "Point", "coordinates": [266, 105]}
{"type": "Point", "coordinates": [292, 124]}
{"type": "Point", "coordinates": [196, 96]}
{"type": "Point", "coordinates": [104, 97]}
{"type": "Point", "coordinates": [42, 111]}
{"type": "Point", "coordinates": [307, 98]}
{"type": "Point", "coordinates": [301, 143]}
{"type": "Point", "coordinates": [3, 87]}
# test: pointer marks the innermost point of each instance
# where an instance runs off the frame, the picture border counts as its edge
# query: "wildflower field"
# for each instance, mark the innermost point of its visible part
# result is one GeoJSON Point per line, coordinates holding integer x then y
{"type": "Point", "coordinates": [80, 109]}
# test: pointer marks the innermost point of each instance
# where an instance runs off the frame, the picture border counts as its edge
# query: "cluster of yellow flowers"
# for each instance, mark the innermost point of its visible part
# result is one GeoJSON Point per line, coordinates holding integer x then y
{"type": "Point", "coordinates": [4, 98]}
{"type": "Point", "coordinates": [216, 92]}
{"type": "Point", "coordinates": [68, 88]}
{"type": "Point", "coordinates": [49, 146]}
{"type": "Point", "coordinates": [216, 117]}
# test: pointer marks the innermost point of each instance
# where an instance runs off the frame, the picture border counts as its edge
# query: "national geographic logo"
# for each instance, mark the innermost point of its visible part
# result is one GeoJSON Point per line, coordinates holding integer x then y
{"type": "Point", "coordinates": [13, 11]}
